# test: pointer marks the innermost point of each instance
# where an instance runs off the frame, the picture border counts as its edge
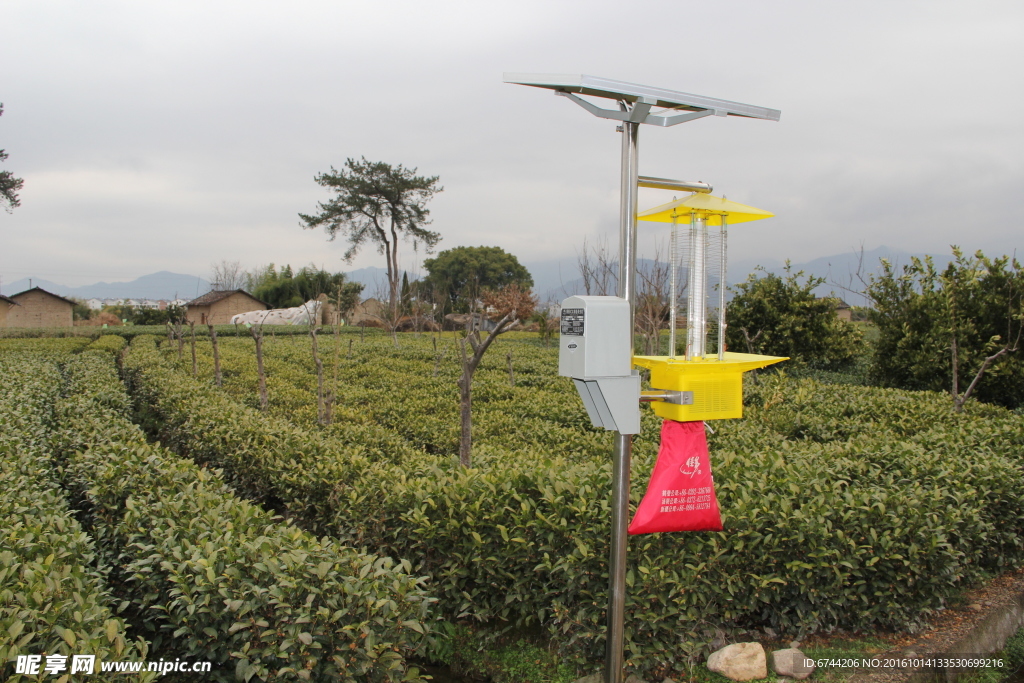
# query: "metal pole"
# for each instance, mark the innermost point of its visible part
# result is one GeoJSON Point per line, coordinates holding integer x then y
{"type": "Point", "coordinates": [721, 290]}
{"type": "Point", "coordinates": [623, 442]}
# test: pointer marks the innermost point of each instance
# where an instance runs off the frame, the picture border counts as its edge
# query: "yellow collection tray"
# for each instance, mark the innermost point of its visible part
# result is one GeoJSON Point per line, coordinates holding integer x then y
{"type": "Point", "coordinates": [717, 385]}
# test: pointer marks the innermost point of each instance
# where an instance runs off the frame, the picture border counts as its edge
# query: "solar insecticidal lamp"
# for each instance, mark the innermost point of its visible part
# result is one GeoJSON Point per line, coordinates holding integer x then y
{"type": "Point", "coordinates": [710, 384]}
{"type": "Point", "coordinates": [637, 104]}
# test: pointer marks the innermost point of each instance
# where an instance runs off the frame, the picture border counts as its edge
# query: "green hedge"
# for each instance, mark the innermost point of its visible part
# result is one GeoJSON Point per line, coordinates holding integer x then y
{"type": "Point", "coordinates": [111, 343]}
{"type": "Point", "coordinates": [844, 507]}
{"type": "Point", "coordinates": [52, 598]}
{"type": "Point", "coordinates": [220, 579]}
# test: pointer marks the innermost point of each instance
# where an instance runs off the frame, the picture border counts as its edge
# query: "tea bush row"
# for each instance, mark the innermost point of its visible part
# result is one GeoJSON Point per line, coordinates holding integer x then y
{"type": "Point", "coordinates": [543, 409]}
{"type": "Point", "coordinates": [52, 598]}
{"type": "Point", "coordinates": [875, 526]}
{"type": "Point", "coordinates": [220, 578]}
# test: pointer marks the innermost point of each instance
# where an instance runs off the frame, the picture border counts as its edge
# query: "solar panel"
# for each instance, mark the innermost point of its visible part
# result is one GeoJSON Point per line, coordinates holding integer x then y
{"type": "Point", "coordinates": [631, 92]}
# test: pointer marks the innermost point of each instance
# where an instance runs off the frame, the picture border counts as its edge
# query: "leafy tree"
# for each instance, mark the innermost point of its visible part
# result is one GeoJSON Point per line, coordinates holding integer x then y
{"type": "Point", "coordinates": [958, 330]}
{"type": "Point", "coordinates": [81, 310]}
{"type": "Point", "coordinates": [406, 292]}
{"type": "Point", "coordinates": [9, 185]}
{"type": "Point", "coordinates": [460, 275]}
{"type": "Point", "coordinates": [781, 316]}
{"type": "Point", "coordinates": [287, 290]}
{"type": "Point", "coordinates": [136, 315]}
{"type": "Point", "coordinates": [258, 277]}
{"type": "Point", "coordinates": [377, 203]}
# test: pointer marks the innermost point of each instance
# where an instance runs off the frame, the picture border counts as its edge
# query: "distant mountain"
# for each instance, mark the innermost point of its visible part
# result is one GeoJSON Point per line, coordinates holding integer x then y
{"type": "Point", "coordinates": [162, 285]}
{"type": "Point", "coordinates": [555, 280]}
{"type": "Point", "coordinates": [373, 279]}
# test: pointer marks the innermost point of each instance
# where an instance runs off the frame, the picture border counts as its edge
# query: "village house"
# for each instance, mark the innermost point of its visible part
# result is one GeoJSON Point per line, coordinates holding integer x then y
{"type": "Point", "coordinates": [218, 307]}
{"type": "Point", "coordinates": [5, 305]}
{"type": "Point", "coordinates": [39, 308]}
{"type": "Point", "coordinates": [367, 312]}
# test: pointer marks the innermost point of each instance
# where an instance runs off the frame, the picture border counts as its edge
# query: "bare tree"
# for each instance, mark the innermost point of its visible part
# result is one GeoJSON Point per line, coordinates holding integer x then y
{"type": "Point", "coordinates": [257, 334]}
{"type": "Point", "coordinates": [179, 333]}
{"type": "Point", "coordinates": [390, 315]}
{"type": "Point", "coordinates": [227, 274]}
{"type": "Point", "coordinates": [652, 301]}
{"type": "Point", "coordinates": [598, 269]}
{"type": "Point", "coordinates": [192, 331]}
{"type": "Point", "coordinates": [508, 305]}
{"type": "Point", "coordinates": [217, 379]}
{"type": "Point", "coordinates": [320, 407]}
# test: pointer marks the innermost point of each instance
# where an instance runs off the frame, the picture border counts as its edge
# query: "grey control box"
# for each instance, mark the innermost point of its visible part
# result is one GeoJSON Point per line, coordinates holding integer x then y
{"type": "Point", "coordinates": [595, 337]}
{"type": "Point", "coordinates": [596, 351]}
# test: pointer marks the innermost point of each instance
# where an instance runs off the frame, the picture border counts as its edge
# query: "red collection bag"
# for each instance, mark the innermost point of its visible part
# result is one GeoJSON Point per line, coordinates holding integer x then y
{"type": "Point", "coordinates": [681, 493]}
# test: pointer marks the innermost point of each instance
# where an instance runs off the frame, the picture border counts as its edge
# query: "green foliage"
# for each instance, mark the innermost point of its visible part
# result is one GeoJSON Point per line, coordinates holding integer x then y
{"type": "Point", "coordinates": [52, 598]}
{"type": "Point", "coordinates": [844, 506]}
{"type": "Point", "coordinates": [9, 185]}
{"type": "Point", "coordinates": [136, 315]}
{"type": "Point", "coordinates": [780, 316]}
{"type": "Point", "coordinates": [216, 578]}
{"type": "Point", "coordinates": [80, 311]}
{"type": "Point", "coordinates": [288, 290]}
{"type": "Point", "coordinates": [460, 275]}
{"type": "Point", "coordinates": [918, 312]}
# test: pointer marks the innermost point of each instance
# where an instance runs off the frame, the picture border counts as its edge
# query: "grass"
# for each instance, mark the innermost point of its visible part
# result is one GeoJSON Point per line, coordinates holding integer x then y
{"type": "Point", "coordinates": [517, 658]}
{"type": "Point", "coordinates": [1012, 656]}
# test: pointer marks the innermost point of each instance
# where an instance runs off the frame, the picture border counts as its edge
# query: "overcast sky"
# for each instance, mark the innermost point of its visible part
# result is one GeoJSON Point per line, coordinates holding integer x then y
{"type": "Point", "coordinates": [170, 135]}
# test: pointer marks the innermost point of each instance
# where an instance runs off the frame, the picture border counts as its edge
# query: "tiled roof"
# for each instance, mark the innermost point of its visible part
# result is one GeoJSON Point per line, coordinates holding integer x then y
{"type": "Point", "coordinates": [216, 295]}
{"type": "Point", "coordinates": [40, 289]}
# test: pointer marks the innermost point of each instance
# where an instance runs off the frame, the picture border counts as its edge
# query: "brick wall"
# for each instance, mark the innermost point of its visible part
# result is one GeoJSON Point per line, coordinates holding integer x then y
{"type": "Point", "coordinates": [39, 309]}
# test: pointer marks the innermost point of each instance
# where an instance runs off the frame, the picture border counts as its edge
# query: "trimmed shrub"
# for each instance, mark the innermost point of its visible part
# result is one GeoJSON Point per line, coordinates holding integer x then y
{"type": "Point", "coordinates": [844, 507]}
{"type": "Point", "coordinates": [52, 598]}
{"type": "Point", "coordinates": [220, 578]}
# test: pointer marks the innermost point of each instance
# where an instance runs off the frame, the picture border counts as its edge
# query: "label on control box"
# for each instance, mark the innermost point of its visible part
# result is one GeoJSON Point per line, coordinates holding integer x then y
{"type": "Point", "coordinates": [572, 322]}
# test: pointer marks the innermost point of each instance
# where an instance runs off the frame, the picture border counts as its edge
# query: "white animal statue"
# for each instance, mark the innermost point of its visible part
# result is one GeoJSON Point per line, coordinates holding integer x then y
{"type": "Point", "coordinates": [305, 314]}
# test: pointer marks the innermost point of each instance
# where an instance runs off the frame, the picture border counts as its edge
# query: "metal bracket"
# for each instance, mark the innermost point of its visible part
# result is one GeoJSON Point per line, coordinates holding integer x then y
{"type": "Point", "coordinates": [666, 121]}
{"type": "Point", "coordinates": [679, 398]}
{"type": "Point", "coordinates": [641, 112]}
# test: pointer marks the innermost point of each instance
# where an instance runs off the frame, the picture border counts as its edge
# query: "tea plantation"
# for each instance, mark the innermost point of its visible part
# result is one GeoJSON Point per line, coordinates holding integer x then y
{"type": "Point", "coordinates": [844, 507]}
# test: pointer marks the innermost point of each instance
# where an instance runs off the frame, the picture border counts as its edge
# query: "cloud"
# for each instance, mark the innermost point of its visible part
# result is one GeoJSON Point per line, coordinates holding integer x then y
{"type": "Point", "coordinates": [166, 136]}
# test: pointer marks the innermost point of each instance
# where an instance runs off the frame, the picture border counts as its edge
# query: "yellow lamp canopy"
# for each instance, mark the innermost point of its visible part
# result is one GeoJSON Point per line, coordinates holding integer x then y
{"type": "Point", "coordinates": [706, 206]}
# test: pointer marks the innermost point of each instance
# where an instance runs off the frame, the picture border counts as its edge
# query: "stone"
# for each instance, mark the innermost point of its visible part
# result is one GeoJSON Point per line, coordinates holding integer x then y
{"type": "Point", "coordinates": [592, 678]}
{"type": "Point", "coordinates": [633, 678]}
{"type": "Point", "coordinates": [795, 644]}
{"type": "Point", "coordinates": [790, 664]}
{"type": "Point", "coordinates": [974, 606]}
{"type": "Point", "coordinates": [740, 662]}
